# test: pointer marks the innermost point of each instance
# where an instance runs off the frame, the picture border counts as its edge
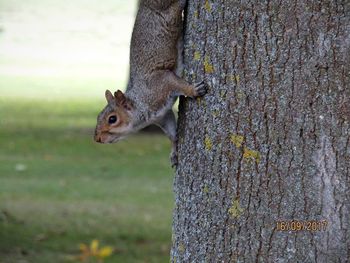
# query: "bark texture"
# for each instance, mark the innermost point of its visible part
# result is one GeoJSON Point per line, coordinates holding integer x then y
{"type": "Point", "coordinates": [270, 141]}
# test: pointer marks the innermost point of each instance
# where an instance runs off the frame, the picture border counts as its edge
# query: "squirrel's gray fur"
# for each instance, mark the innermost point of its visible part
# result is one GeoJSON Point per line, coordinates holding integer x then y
{"type": "Point", "coordinates": [153, 84]}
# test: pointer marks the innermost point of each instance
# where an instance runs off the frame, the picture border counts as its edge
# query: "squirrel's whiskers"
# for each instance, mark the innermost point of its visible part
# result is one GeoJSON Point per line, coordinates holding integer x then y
{"type": "Point", "coordinates": [153, 85]}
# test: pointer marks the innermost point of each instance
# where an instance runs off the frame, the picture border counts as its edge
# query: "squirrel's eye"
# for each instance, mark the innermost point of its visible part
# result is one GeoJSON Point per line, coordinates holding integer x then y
{"type": "Point", "coordinates": [112, 119]}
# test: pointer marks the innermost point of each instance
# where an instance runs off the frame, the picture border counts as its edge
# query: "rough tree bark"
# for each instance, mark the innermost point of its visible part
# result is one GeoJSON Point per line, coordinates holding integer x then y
{"type": "Point", "coordinates": [270, 141]}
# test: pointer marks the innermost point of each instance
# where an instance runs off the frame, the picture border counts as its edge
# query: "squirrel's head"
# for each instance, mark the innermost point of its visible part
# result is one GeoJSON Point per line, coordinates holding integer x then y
{"type": "Point", "coordinates": [114, 121]}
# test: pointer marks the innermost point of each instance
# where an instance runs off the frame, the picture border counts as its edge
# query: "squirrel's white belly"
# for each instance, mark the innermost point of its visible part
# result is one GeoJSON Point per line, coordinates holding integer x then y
{"type": "Point", "coordinates": [158, 115]}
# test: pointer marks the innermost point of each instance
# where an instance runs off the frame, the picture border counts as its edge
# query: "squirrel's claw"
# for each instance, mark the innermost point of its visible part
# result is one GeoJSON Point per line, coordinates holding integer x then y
{"type": "Point", "coordinates": [173, 159]}
{"type": "Point", "coordinates": [173, 154]}
{"type": "Point", "coordinates": [200, 88]}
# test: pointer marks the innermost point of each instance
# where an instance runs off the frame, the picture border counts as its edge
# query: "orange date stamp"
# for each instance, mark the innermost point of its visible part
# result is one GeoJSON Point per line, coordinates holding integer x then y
{"type": "Point", "coordinates": [301, 225]}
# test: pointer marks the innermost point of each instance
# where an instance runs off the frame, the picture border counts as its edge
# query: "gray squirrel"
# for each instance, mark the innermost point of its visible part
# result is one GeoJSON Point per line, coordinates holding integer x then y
{"type": "Point", "coordinates": [153, 86]}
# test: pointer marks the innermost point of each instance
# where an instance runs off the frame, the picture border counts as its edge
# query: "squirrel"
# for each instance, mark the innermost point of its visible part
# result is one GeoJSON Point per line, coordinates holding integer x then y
{"type": "Point", "coordinates": [153, 86]}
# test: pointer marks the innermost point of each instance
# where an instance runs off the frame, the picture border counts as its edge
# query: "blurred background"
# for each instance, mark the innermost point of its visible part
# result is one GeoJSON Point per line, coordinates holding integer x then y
{"type": "Point", "coordinates": [59, 190]}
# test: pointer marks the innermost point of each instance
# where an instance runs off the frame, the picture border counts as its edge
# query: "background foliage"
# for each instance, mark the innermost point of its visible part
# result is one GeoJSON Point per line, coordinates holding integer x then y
{"type": "Point", "coordinates": [57, 187]}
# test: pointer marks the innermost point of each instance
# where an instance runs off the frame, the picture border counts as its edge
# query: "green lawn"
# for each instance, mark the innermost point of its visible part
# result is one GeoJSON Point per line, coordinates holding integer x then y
{"type": "Point", "coordinates": [57, 187]}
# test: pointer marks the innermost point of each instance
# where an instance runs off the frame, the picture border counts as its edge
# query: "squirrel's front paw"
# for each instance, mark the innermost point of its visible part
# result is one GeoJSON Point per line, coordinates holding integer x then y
{"type": "Point", "coordinates": [173, 159]}
{"type": "Point", "coordinates": [200, 89]}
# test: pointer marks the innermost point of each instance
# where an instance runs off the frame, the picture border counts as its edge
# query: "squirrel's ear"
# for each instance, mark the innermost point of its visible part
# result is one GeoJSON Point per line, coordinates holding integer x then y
{"type": "Point", "coordinates": [109, 97]}
{"type": "Point", "coordinates": [122, 100]}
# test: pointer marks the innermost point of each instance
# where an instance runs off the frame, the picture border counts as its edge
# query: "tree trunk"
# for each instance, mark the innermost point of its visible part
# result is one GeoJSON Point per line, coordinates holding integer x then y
{"type": "Point", "coordinates": [264, 157]}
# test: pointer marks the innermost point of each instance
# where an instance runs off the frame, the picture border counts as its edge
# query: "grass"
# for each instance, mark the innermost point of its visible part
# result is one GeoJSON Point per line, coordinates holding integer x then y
{"type": "Point", "coordinates": [59, 188]}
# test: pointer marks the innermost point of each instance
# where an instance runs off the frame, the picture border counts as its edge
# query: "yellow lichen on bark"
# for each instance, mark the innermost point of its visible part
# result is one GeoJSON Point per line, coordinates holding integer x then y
{"type": "Point", "coordinates": [208, 67]}
{"type": "Point", "coordinates": [235, 210]}
{"type": "Point", "coordinates": [196, 56]}
{"type": "Point", "coordinates": [208, 143]}
{"type": "Point", "coordinates": [181, 247]}
{"type": "Point", "coordinates": [250, 154]}
{"type": "Point", "coordinates": [237, 140]}
{"type": "Point", "coordinates": [207, 6]}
